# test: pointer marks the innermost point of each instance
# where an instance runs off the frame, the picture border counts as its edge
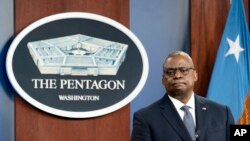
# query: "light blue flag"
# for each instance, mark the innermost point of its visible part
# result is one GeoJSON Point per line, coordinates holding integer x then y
{"type": "Point", "coordinates": [230, 80]}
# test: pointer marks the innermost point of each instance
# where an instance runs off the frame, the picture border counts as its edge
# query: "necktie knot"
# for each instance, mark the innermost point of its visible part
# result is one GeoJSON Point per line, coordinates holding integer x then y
{"type": "Point", "coordinates": [185, 108]}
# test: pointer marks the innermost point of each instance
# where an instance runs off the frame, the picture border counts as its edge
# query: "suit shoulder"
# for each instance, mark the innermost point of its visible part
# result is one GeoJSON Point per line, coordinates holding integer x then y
{"type": "Point", "coordinates": [150, 109]}
{"type": "Point", "coordinates": [211, 103]}
{"type": "Point", "coordinates": [217, 110]}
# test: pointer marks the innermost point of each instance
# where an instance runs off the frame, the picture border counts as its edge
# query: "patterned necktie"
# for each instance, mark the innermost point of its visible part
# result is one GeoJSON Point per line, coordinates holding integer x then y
{"type": "Point", "coordinates": [188, 121]}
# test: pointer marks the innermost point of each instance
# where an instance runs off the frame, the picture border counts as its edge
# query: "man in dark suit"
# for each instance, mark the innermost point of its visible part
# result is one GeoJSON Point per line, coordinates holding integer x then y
{"type": "Point", "coordinates": [165, 120]}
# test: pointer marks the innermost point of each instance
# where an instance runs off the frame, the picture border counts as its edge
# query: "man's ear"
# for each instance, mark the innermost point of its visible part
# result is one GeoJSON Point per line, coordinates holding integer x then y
{"type": "Point", "coordinates": [195, 76]}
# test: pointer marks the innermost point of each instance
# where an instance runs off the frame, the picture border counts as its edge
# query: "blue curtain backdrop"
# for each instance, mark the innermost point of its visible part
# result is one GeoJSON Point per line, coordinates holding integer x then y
{"type": "Point", "coordinates": [6, 98]}
{"type": "Point", "coordinates": [163, 27]}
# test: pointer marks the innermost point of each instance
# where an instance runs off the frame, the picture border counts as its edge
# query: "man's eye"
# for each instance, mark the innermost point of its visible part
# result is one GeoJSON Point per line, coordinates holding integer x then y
{"type": "Point", "coordinates": [170, 72]}
{"type": "Point", "coordinates": [183, 70]}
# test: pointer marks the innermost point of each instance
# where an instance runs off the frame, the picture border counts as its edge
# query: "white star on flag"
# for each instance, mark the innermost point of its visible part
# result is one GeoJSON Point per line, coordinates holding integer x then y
{"type": "Point", "coordinates": [235, 48]}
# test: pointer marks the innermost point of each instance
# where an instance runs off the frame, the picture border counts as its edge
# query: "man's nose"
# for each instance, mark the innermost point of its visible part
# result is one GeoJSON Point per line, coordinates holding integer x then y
{"type": "Point", "coordinates": [177, 74]}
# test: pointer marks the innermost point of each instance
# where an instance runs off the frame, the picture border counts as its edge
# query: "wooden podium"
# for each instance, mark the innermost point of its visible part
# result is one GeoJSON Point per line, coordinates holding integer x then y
{"type": "Point", "coordinates": [32, 124]}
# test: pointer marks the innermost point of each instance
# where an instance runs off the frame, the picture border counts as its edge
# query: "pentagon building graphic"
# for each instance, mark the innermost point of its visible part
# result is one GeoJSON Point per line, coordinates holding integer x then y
{"type": "Point", "coordinates": [78, 55]}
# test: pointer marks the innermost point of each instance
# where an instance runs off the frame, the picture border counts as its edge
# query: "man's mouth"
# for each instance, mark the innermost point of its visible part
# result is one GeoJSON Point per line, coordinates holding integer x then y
{"type": "Point", "coordinates": [178, 83]}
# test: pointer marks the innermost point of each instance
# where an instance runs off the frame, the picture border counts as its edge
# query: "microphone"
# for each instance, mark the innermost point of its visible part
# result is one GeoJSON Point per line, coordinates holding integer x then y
{"type": "Point", "coordinates": [197, 134]}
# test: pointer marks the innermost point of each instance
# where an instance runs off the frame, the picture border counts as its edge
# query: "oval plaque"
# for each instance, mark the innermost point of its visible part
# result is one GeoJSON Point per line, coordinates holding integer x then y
{"type": "Point", "coordinates": [77, 65]}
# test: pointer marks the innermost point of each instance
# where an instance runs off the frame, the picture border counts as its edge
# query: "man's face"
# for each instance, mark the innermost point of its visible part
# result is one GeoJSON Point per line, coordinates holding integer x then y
{"type": "Point", "coordinates": [179, 75]}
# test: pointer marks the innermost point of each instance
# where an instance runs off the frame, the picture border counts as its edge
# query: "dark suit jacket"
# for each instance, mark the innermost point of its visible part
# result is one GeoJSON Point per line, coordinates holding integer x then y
{"type": "Point", "coordinates": [161, 122]}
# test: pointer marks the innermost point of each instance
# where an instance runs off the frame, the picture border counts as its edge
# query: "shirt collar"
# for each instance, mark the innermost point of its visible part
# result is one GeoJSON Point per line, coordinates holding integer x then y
{"type": "Point", "coordinates": [178, 104]}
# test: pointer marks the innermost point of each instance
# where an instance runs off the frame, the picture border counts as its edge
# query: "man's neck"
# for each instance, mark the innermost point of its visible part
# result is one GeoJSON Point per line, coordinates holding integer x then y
{"type": "Point", "coordinates": [183, 97]}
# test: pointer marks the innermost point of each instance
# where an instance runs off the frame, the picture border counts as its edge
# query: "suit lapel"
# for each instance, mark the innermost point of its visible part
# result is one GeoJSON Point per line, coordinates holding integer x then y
{"type": "Point", "coordinates": [171, 115]}
{"type": "Point", "coordinates": [201, 114]}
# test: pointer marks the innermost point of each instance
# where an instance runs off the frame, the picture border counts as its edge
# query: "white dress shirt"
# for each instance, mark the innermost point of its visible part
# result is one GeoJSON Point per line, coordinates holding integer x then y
{"type": "Point", "coordinates": [178, 104]}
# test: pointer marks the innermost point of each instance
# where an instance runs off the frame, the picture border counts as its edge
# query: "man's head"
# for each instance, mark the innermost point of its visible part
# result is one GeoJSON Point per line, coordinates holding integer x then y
{"type": "Point", "coordinates": [179, 75]}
